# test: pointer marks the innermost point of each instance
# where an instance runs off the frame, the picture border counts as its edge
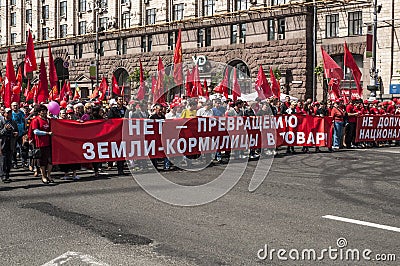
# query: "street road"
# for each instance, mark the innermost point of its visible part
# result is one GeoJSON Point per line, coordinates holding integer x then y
{"type": "Point", "coordinates": [111, 220]}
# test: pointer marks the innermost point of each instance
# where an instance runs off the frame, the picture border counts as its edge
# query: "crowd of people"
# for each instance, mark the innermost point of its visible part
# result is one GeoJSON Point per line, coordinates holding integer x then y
{"type": "Point", "coordinates": [25, 128]}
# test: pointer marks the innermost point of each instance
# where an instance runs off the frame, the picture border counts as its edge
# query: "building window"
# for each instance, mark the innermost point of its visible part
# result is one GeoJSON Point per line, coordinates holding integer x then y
{"type": "Point", "coordinates": [150, 16]}
{"type": "Point", "coordinates": [82, 6]}
{"type": "Point", "coordinates": [204, 37]}
{"type": "Point", "coordinates": [171, 41]}
{"type": "Point", "coordinates": [200, 38]}
{"type": "Point", "coordinates": [13, 21]}
{"type": "Point", "coordinates": [45, 12]}
{"type": "Point", "coordinates": [126, 20]}
{"type": "Point", "coordinates": [279, 2]}
{"type": "Point", "coordinates": [63, 30]}
{"type": "Point", "coordinates": [271, 29]}
{"type": "Point", "coordinates": [29, 16]}
{"type": "Point", "coordinates": [118, 46]}
{"type": "Point", "coordinates": [82, 28]}
{"type": "Point", "coordinates": [103, 3]}
{"type": "Point", "coordinates": [143, 43]}
{"type": "Point", "coordinates": [78, 50]}
{"type": "Point", "coordinates": [234, 33]}
{"type": "Point", "coordinates": [101, 48]}
{"type": "Point", "coordinates": [146, 43]}
{"type": "Point", "coordinates": [13, 2]}
{"type": "Point", "coordinates": [242, 28]}
{"type": "Point", "coordinates": [355, 23]}
{"type": "Point", "coordinates": [241, 5]}
{"type": "Point", "coordinates": [63, 9]}
{"type": "Point", "coordinates": [208, 7]}
{"type": "Point", "coordinates": [332, 25]}
{"type": "Point", "coordinates": [281, 28]}
{"type": "Point", "coordinates": [124, 46]}
{"type": "Point", "coordinates": [149, 43]}
{"type": "Point", "coordinates": [45, 33]}
{"type": "Point", "coordinates": [103, 22]}
{"type": "Point", "coordinates": [13, 38]}
{"type": "Point", "coordinates": [177, 12]}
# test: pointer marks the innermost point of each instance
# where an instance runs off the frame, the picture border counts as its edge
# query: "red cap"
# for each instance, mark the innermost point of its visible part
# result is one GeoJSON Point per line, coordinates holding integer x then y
{"type": "Point", "coordinates": [69, 111]}
{"type": "Point", "coordinates": [365, 101]}
{"type": "Point", "coordinates": [375, 101]}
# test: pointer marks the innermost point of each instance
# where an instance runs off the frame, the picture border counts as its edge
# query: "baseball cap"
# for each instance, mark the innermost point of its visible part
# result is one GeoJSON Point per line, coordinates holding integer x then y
{"type": "Point", "coordinates": [7, 110]}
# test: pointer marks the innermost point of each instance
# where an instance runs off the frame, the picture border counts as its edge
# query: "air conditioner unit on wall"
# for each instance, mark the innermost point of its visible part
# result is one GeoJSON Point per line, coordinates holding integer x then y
{"type": "Point", "coordinates": [281, 36]}
{"type": "Point", "coordinates": [42, 21]}
{"type": "Point", "coordinates": [146, 2]}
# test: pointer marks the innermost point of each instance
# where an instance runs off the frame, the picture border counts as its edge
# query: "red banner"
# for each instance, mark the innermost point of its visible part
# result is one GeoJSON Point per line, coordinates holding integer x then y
{"type": "Point", "coordinates": [117, 139]}
{"type": "Point", "coordinates": [378, 128]}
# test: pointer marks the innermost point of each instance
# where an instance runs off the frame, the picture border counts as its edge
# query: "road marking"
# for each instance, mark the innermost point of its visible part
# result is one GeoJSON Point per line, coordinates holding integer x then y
{"type": "Point", "coordinates": [71, 255]}
{"type": "Point", "coordinates": [347, 220]}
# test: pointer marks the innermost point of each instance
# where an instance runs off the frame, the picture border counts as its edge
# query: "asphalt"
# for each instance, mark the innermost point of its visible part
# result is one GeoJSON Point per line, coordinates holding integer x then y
{"type": "Point", "coordinates": [111, 220]}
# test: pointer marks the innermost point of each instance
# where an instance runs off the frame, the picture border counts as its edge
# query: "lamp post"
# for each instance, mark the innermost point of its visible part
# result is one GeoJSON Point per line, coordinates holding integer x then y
{"type": "Point", "coordinates": [314, 79]}
{"type": "Point", "coordinates": [97, 49]}
{"type": "Point", "coordinates": [374, 71]}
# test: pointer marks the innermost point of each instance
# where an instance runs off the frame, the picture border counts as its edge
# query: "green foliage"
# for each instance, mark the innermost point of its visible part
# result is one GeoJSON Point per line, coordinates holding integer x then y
{"type": "Point", "coordinates": [135, 76]}
{"type": "Point", "coordinates": [277, 73]}
{"type": "Point", "coordinates": [216, 79]}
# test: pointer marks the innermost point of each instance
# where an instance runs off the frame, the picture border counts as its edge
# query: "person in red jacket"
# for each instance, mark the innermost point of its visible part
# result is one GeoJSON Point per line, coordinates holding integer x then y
{"type": "Point", "coordinates": [350, 134]}
{"type": "Point", "coordinates": [41, 130]}
{"type": "Point", "coordinates": [338, 114]}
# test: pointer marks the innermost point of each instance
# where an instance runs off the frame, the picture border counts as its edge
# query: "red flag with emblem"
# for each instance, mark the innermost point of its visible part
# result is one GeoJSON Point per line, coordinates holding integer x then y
{"type": "Point", "coordinates": [178, 60]}
{"type": "Point", "coordinates": [9, 80]}
{"type": "Point", "coordinates": [276, 87]}
{"type": "Point", "coordinates": [141, 91]}
{"type": "Point", "coordinates": [103, 88]}
{"type": "Point", "coordinates": [236, 92]}
{"type": "Point", "coordinates": [30, 58]}
{"type": "Point", "coordinates": [115, 88]}
{"type": "Point", "coordinates": [53, 78]}
{"type": "Point", "coordinates": [43, 90]}
{"type": "Point", "coordinates": [351, 63]}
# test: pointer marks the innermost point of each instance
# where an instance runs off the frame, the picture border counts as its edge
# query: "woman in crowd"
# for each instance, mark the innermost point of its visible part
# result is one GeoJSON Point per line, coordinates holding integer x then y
{"type": "Point", "coordinates": [41, 130]}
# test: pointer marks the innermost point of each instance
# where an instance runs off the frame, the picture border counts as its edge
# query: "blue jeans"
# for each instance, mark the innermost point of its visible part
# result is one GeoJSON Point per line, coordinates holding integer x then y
{"type": "Point", "coordinates": [337, 133]}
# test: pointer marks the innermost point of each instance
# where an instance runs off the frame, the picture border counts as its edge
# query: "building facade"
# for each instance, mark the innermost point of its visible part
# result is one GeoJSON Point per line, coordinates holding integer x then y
{"type": "Point", "coordinates": [239, 33]}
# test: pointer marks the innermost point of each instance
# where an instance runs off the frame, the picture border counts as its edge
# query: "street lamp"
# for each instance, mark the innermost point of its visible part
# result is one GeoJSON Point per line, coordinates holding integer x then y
{"type": "Point", "coordinates": [97, 49]}
{"type": "Point", "coordinates": [374, 71]}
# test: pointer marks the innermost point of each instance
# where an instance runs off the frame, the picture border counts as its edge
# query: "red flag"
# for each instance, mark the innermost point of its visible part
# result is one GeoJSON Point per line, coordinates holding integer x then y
{"type": "Point", "coordinates": [223, 86]}
{"type": "Point", "coordinates": [197, 90]}
{"type": "Point", "coordinates": [115, 88]}
{"type": "Point", "coordinates": [103, 88]}
{"type": "Point", "coordinates": [236, 92]}
{"type": "Point", "coordinates": [66, 92]}
{"type": "Point", "coordinates": [53, 95]}
{"type": "Point", "coordinates": [188, 85]}
{"type": "Point", "coordinates": [178, 60]}
{"type": "Point", "coordinates": [9, 80]}
{"type": "Point", "coordinates": [94, 94]}
{"type": "Point", "coordinates": [351, 63]}
{"type": "Point", "coordinates": [331, 68]}
{"type": "Point", "coordinates": [276, 87]}
{"type": "Point", "coordinates": [28, 92]}
{"type": "Point", "coordinates": [53, 78]}
{"type": "Point", "coordinates": [43, 90]}
{"type": "Point", "coordinates": [77, 96]}
{"type": "Point", "coordinates": [334, 84]}
{"type": "Point", "coordinates": [19, 75]}
{"type": "Point", "coordinates": [35, 90]}
{"type": "Point", "coordinates": [205, 86]}
{"type": "Point", "coordinates": [141, 91]}
{"type": "Point", "coordinates": [262, 86]}
{"type": "Point", "coordinates": [159, 96]}
{"type": "Point", "coordinates": [30, 58]}
{"type": "Point", "coordinates": [16, 93]}
{"type": "Point", "coordinates": [153, 86]}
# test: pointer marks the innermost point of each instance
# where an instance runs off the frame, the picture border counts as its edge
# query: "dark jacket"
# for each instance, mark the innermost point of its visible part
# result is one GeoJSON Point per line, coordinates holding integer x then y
{"type": "Point", "coordinates": [117, 113]}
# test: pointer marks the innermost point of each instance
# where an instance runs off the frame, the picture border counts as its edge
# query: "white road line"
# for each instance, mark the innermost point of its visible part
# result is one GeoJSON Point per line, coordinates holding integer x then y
{"type": "Point", "coordinates": [353, 221]}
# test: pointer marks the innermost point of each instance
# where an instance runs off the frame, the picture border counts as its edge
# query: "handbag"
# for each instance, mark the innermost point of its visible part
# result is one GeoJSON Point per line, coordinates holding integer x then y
{"type": "Point", "coordinates": [34, 154]}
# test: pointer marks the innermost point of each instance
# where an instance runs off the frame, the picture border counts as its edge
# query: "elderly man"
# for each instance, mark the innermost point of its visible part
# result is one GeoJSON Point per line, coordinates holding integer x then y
{"type": "Point", "coordinates": [8, 134]}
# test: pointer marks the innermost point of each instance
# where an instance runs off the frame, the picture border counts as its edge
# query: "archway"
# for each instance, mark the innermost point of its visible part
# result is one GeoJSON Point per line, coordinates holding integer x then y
{"type": "Point", "coordinates": [243, 75]}
{"type": "Point", "coordinates": [62, 71]}
{"type": "Point", "coordinates": [122, 76]}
